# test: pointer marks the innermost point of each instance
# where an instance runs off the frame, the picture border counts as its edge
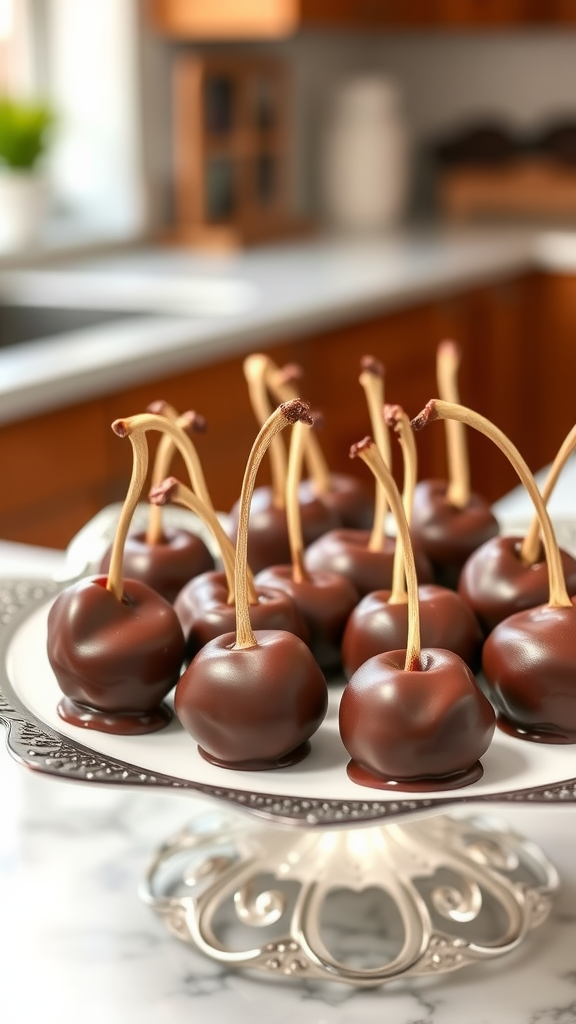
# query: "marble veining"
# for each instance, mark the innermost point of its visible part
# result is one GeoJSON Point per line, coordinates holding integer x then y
{"type": "Point", "coordinates": [76, 944]}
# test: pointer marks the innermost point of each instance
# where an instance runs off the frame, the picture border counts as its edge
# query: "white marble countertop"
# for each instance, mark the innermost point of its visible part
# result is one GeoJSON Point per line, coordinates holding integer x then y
{"type": "Point", "coordinates": [78, 947]}
{"type": "Point", "coordinates": [206, 308]}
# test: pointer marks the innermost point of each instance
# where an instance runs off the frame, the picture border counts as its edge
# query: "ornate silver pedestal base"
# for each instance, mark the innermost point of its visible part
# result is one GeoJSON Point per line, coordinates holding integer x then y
{"type": "Point", "coordinates": [358, 906]}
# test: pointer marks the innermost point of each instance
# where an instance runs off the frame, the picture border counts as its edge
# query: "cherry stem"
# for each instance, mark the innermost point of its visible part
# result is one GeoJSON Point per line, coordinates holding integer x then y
{"type": "Point", "coordinates": [255, 368]}
{"type": "Point", "coordinates": [284, 391]}
{"type": "Point", "coordinates": [368, 452]}
{"type": "Point", "coordinates": [172, 491]}
{"type": "Point", "coordinates": [294, 519]}
{"type": "Point", "coordinates": [448, 359]}
{"type": "Point", "coordinates": [160, 470]}
{"type": "Point", "coordinates": [288, 412]}
{"type": "Point", "coordinates": [396, 418]}
{"type": "Point", "coordinates": [151, 421]}
{"type": "Point", "coordinates": [530, 549]}
{"type": "Point", "coordinates": [558, 597]}
{"type": "Point", "coordinates": [136, 426]}
{"type": "Point", "coordinates": [372, 380]}
{"type": "Point", "coordinates": [137, 479]}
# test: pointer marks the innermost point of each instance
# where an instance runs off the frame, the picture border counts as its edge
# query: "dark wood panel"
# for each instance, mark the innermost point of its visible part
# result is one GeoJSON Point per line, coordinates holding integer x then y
{"type": "Point", "coordinates": [518, 368]}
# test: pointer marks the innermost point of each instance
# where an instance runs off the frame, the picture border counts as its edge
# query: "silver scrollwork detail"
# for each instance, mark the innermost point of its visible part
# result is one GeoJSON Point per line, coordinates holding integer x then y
{"type": "Point", "coordinates": [400, 861]}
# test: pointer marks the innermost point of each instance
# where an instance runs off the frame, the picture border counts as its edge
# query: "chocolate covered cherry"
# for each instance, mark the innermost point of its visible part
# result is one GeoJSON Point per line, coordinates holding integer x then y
{"type": "Point", "coordinates": [449, 522]}
{"type": "Point", "coordinates": [252, 701]}
{"type": "Point", "coordinates": [412, 719]}
{"type": "Point", "coordinates": [325, 599]}
{"type": "Point", "coordinates": [252, 708]}
{"type": "Point", "coordinates": [529, 658]}
{"type": "Point", "coordinates": [166, 558]}
{"type": "Point", "coordinates": [449, 533]}
{"type": "Point", "coordinates": [167, 565]}
{"type": "Point", "coordinates": [204, 613]}
{"type": "Point", "coordinates": [345, 496]}
{"type": "Point", "coordinates": [115, 646]}
{"type": "Point", "coordinates": [415, 729]}
{"type": "Point", "coordinates": [496, 583]}
{"type": "Point", "coordinates": [268, 530]}
{"type": "Point", "coordinates": [379, 624]}
{"type": "Point", "coordinates": [206, 605]}
{"type": "Point", "coordinates": [114, 660]}
{"type": "Point", "coordinates": [529, 662]}
{"type": "Point", "coordinates": [367, 559]}
{"type": "Point", "coordinates": [509, 574]}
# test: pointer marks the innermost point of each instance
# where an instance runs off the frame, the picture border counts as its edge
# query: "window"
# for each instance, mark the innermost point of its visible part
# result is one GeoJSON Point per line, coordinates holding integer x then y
{"type": "Point", "coordinates": [82, 56]}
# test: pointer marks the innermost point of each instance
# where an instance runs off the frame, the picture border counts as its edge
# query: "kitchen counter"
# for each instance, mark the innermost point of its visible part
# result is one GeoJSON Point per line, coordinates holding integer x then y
{"type": "Point", "coordinates": [223, 305]}
{"type": "Point", "coordinates": [78, 947]}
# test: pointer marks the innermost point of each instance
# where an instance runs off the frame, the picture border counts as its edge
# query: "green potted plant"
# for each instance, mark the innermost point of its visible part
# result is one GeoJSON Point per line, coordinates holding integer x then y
{"type": "Point", "coordinates": [24, 134]}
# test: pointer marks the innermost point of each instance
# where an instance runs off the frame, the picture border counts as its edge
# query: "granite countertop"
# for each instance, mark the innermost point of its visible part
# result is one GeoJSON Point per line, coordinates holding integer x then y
{"type": "Point", "coordinates": [78, 947]}
{"type": "Point", "coordinates": [206, 308]}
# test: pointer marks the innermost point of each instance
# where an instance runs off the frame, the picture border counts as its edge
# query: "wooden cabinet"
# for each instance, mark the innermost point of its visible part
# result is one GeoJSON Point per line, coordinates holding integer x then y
{"type": "Point", "coordinates": [552, 401]}
{"type": "Point", "coordinates": [491, 326]}
{"type": "Point", "coordinates": [59, 469]}
{"type": "Point", "coordinates": [254, 19]}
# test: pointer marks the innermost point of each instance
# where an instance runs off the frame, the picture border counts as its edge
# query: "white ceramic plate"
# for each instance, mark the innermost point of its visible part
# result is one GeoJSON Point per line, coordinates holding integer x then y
{"type": "Point", "coordinates": [316, 791]}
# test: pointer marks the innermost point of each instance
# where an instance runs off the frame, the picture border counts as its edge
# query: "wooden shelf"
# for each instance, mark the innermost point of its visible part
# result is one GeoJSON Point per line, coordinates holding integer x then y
{"type": "Point", "coordinates": [276, 19]}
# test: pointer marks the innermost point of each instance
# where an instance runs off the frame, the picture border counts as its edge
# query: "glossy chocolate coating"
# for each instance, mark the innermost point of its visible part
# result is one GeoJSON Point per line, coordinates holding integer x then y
{"type": "Point", "coordinates": [375, 626]}
{"type": "Point", "coordinates": [252, 707]}
{"type": "Point", "coordinates": [346, 552]}
{"type": "Point", "coordinates": [166, 566]}
{"type": "Point", "coordinates": [204, 613]}
{"type": "Point", "coordinates": [447, 534]}
{"type": "Point", "coordinates": [350, 499]}
{"type": "Point", "coordinates": [325, 600]}
{"type": "Point", "coordinates": [418, 728]}
{"type": "Point", "coordinates": [496, 583]}
{"type": "Point", "coordinates": [119, 658]}
{"type": "Point", "coordinates": [268, 531]}
{"type": "Point", "coordinates": [529, 661]}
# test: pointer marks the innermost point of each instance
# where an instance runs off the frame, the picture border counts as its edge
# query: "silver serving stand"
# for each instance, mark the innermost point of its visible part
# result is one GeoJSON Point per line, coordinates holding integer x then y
{"type": "Point", "coordinates": [360, 892]}
{"type": "Point", "coordinates": [363, 892]}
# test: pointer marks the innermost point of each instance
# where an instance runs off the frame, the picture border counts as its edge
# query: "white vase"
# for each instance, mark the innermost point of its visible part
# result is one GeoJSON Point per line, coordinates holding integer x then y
{"type": "Point", "coordinates": [23, 204]}
{"type": "Point", "coordinates": [365, 157]}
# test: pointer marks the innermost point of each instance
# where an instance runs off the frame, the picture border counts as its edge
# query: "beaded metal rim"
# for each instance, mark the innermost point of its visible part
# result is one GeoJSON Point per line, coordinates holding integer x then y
{"type": "Point", "coordinates": [43, 749]}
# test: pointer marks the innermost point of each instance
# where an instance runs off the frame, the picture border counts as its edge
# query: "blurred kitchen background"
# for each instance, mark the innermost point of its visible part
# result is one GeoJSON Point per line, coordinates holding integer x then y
{"type": "Point", "coordinates": [353, 176]}
{"type": "Point", "coordinates": [452, 66]}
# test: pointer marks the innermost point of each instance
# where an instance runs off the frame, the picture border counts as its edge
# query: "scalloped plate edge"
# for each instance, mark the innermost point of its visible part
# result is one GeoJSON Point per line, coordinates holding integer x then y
{"type": "Point", "coordinates": [40, 748]}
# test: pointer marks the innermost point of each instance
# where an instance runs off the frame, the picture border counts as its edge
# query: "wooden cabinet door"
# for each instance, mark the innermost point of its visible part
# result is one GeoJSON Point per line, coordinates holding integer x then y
{"type": "Point", "coordinates": [481, 12]}
{"type": "Point", "coordinates": [552, 400]}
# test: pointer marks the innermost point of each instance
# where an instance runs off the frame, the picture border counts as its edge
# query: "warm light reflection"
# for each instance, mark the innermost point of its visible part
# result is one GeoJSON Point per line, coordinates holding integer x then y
{"type": "Point", "coordinates": [6, 18]}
